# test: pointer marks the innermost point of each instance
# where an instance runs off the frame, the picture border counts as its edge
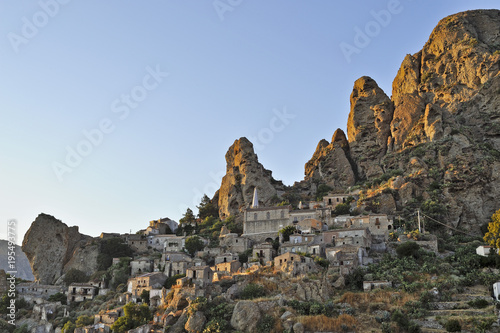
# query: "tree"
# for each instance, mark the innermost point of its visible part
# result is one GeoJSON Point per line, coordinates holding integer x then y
{"type": "Point", "coordinates": [492, 237]}
{"type": "Point", "coordinates": [145, 296]}
{"type": "Point", "coordinates": [193, 244]}
{"type": "Point", "coordinates": [69, 327]}
{"type": "Point", "coordinates": [84, 320]}
{"type": "Point", "coordinates": [207, 208]}
{"type": "Point", "coordinates": [188, 217]}
{"type": "Point", "coordinates": [287, 231]}
{"type": "Point", "coordinates": [134, 316]}
{"type": "Point", "coordinates": [75, 276]}
{"type": "Point", "coordinates": [342, 209]}
{"type": "Point", "coordinates": [112, 248]}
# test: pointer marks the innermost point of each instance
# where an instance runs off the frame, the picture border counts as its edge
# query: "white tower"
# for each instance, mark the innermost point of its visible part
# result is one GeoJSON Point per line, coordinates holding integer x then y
{"type": "Point", "coordinates": [255, 201]}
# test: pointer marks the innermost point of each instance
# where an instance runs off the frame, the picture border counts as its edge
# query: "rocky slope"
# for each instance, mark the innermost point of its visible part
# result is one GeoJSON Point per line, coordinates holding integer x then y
{"type": "Point", "coordinates": [243, 174]}
{"type": "Point", "coordinates": [53, 248]}
{"type": "Point", "coordinates": [439, 132]}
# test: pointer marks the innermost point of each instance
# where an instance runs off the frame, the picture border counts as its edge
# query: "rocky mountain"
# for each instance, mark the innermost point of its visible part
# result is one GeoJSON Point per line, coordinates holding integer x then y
{"type": "Point", "coordinates": [53, 248]}
{"type": "Point", "coordinates": [434, 144]}
{"type": "Point", "coordinates": [243, 174]}
{"type": "Point", "coordinates": [22, 264]}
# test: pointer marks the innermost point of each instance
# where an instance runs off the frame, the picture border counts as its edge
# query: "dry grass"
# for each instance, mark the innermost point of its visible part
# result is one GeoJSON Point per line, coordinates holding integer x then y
{"type": "Point", "coordinates": [384, 299]}
{"type": "Point", "coordinates": [269, 286]}
{"type": "Point", "coordinates": [323, 323]}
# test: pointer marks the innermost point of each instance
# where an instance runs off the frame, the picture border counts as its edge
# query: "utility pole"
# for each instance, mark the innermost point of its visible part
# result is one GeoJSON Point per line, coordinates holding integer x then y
{"type": "Point", "coordinates": [418, 215]}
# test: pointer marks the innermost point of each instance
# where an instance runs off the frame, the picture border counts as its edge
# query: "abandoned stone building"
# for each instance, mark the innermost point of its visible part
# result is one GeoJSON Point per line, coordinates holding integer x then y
{"type": "Point", "coordinates": [353, 236]}
{"type": "Point", "coordinates": [137, 243]}
{"type": "Point", "coordinates": [233, 243]}
{"type": "Point", "coordinates": [32, 291]}
{"type": "Point", "coordinates": [347, 257]}
{"type": "Point", "coordinates": [264, 252]}
{"type": "Point", "coordinates": [225, 257]}
{"type": "Point", "coordinates": [332, 200]}
{"type": "Point", "coordinates": [172, 243]}
{"type": "Point", "coordinates": [379, 224]}
{"type": "Point", "coordinates": [79, 292]}
{"type": "Point", "coordinates": [230, 267]}
{"type": "Point", "coordinates": [310, 226]}
{"type": "Point", "coordinates": [293, 264]}
{"type": "Point", "coordinates": [200, 275]}
{"type": "Point", "coordinates": [147, 281]}
{"type": "Point", "coordinates": [141, 265]}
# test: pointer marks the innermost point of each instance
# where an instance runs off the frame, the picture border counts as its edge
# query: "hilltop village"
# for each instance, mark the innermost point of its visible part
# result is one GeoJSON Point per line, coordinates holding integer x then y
{"type": "Point", "coordinates": [174, 273]}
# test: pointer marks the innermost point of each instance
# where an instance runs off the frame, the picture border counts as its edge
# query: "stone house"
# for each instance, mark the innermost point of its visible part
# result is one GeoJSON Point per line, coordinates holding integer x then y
{"type": "Point", "coordinates": [140, 266]}
{"type": "Point", "coordinates": [352, 236]}
{"type": "Point", "coordinates": [294, 264]}
{"type": "Point", "coordinates": [137, 243]}
{"type": "Point", "coordinates": [304, 243]}
{"type": "Point", "coordinates": [379, 224]}
{"type": "Point", "coordinates": [173, 243]}
{"type": "Point", "coordinates": [200, 275]}
{"type": "Point", "coordinates": [310, 226]}
{"type": "Point", "coordinates": [226, 257]}
{"type": "Point", "coordinates": [230, 267]}
{"type": "Point", "coordinates": [332, 200]}
{"type": "Point", "coordinates": [79, 292]}
{"type": "Point", "coordinates": [324, 215]}
{"type": "Point", "coordinates": [233, 243]}
{"type": "Point", "coordinates": [109, 317]}
{"type": "Point", "coordinates": [31, 291]}
{"type": "Point", "coordinates": [147, 281]}
{"type": "Point", "coordinates": [176, 263]}
{"type": "Point", "coordinates": [370, 285]}
{"type": "Point", "coordinates": [346, 257]}
{"type": "Point", "coordinates": [264, 252]}
{"type": "Point", "coordinates": [161, 226]}
{"type": "Point", "coordinates": [158, 242]}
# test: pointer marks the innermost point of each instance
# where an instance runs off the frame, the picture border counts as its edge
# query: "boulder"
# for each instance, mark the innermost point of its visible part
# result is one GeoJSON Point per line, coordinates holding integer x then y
{"type": "Point", "coordinates": [246, 316]}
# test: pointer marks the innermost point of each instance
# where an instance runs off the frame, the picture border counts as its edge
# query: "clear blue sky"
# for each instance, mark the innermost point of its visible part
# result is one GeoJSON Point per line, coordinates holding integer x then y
{"type": "Point", "coordinates": [158, 140]}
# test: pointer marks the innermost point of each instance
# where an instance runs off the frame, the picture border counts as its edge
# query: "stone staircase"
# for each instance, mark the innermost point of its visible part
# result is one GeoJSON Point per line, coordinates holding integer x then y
{"type": "Point", "coordinates": [457, 308]}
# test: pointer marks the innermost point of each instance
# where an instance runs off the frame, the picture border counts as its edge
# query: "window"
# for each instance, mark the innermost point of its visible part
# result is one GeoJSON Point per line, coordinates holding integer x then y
{"type": "Point", "coordinates": [255, 216]}
{"type": "Point", "coordinates": [268, 215]}
{"type": "Point", "coordinates": [282, 214]}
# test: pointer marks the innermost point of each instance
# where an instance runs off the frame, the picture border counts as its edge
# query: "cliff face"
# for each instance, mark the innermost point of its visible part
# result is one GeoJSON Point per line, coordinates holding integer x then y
{"type": "Point", "coordinates": [53, 248]}
{"type": "Point", "coordinates": [330, 163]}
{"type": "Point", "coordinates": [243, 174]}
{"type": "Point", "coordinates": [440, 130]}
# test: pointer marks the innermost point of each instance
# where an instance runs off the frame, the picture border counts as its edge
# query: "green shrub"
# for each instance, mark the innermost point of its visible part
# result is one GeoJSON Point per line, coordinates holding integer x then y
{"type": "Point", "coordinates": [478, 303]}
{"type": "Point", "coordinates": [408, 249]}
{"type": "Point", "coordinates": [252, 290]}
{"type": "Point", "coordinates": [266, 324]}
{"type": "Point", "coordinates": [452, 325]}
{"type": "Point", "coordinates": [59, 297]}
{"type": "Point", "coordinates": [170, 281]}
{"type": "Point", "coordinates": [75, 276]}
